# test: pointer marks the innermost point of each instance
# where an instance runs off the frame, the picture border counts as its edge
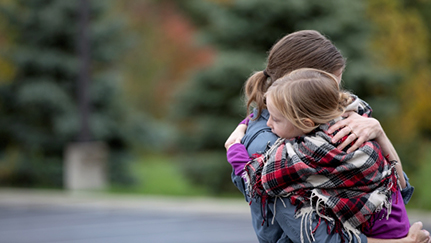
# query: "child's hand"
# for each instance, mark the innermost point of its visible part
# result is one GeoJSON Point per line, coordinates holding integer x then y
{"type": "Point", "coordinates": [236, 136]}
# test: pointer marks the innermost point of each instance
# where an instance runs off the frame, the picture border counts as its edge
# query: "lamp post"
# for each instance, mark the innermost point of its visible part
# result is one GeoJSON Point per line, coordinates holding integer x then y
{"type": "Point", "coordinates": [85, 160]}
{"type": "Point", "coordinates": [84, 73]}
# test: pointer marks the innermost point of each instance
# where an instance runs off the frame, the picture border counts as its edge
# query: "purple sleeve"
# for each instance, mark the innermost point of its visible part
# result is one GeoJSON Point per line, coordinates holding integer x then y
{"type": "Point", "coordinates": [246, 120]}
{"type": "Point", "coordinates": [237, 156]}
{"type": "Point", "coordinates": [396, 226]}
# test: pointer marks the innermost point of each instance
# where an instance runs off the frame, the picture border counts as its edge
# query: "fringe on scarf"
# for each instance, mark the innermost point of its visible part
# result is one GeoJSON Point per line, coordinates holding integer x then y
{"type": "Point", "coordinates": [316, 204]}
{"type": "Point", "coordinates": [306, 215]}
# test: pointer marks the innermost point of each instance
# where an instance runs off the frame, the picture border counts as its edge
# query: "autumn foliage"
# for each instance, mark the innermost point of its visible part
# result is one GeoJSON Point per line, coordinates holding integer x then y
{"type": "Point", "coordinates": [163, 56]}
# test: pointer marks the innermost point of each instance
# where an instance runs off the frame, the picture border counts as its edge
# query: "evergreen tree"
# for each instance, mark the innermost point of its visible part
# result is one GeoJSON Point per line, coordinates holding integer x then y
{"type": "Point", "coordinates": [38, 105]}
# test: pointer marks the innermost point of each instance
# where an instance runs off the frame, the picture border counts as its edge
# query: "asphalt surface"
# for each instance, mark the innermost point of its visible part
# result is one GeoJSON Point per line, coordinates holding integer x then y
{"type": "Point", "coordinates": [54, 216]}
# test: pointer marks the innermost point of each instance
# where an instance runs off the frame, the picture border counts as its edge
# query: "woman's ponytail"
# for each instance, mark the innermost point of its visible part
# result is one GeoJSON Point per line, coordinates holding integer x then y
{"type": "Point", "coordinates": [255, 89]}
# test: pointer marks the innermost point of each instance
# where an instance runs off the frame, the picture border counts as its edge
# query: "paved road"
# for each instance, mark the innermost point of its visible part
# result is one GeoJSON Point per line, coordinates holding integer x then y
{"type": "Point", "coordinates": [105, 226]}
{"type": "Point", "coordinates": [54, 217]}
{"type": "Point", "coordinates": [59, 217]}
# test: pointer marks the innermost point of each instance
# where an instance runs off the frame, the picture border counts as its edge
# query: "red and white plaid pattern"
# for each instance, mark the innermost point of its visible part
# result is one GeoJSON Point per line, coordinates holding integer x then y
{"type": "Point", "coordinates": [346, 188]}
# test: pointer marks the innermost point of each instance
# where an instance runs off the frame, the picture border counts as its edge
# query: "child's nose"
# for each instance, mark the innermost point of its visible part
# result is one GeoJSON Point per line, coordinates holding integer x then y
{"type": "Point", "coordinates": [268, 123]}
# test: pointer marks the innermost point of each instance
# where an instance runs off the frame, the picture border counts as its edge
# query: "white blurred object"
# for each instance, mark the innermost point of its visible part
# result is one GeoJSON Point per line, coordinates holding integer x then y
{"type": "Point", "coordinates": [85, 166]}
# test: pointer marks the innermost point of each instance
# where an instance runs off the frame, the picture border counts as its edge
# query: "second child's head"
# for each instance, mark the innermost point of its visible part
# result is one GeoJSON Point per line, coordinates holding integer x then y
{"type": "Point", "coordinates": [302, 100]}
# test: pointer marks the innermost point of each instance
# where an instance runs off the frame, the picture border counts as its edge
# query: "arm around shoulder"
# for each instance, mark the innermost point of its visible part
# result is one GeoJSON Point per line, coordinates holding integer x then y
{"type": "Point", "coordinates": [237, 156]}
{"type": "Point", "coordinates": [236, 135]}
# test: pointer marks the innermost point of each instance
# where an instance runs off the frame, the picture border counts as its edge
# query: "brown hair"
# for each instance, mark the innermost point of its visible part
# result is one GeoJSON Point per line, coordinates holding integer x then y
{"type": "Point", "coordinates": [301, 49]}
{"type": "Point", "coordinates": [308, 94]}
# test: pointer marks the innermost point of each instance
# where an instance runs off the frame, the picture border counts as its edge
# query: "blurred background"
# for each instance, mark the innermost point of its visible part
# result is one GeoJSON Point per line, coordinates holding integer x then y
{"type": "Point", "coordinates": [139, 96]}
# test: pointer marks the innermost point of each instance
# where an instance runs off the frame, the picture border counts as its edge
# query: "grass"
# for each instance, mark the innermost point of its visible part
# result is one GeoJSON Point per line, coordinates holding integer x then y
{"type": "Point", "coordinates": [159, 175]}
{"type": "Point", "coordinates": [420, 180]}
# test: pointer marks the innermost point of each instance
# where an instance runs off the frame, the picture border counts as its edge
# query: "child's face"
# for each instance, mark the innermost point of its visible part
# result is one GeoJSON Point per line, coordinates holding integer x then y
{"type": "Point", "coordinates": [279, 125]}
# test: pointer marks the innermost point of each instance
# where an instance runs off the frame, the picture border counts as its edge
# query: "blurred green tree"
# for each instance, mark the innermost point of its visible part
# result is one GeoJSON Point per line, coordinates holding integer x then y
{"type": "Point", "coordinates": [38, 103]}
{"type": "Point", "coordinates": [163, 53]}
{"type": "Point", "coordinates": [401, 37]}
{"type": "Point", "coordinates": [209, 106]}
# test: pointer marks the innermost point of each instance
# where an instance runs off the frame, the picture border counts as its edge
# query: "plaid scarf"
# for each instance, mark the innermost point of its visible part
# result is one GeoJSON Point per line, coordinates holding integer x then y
{"type": "Point", "coordinates": [345, 189]}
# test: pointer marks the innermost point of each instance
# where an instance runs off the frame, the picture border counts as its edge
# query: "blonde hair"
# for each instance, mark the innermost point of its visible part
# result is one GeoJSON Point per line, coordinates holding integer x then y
{"type": "Point", "coordinates": [301, 49]}
{"type": "Point", "coordinates": [308, 93]}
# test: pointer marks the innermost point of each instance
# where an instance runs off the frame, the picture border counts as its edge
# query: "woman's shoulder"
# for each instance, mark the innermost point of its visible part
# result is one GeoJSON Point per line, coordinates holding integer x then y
{"type": "Point", "coordinates": [258, 135]}
{"type": "Point", "coordinates": [258, 122]}
{"type": "Point", "coordinates": [264, 114]}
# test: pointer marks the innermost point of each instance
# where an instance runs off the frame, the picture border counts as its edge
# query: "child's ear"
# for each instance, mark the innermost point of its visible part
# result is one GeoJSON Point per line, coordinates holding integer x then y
{"type": "Point", "coordinates": [308, 122]}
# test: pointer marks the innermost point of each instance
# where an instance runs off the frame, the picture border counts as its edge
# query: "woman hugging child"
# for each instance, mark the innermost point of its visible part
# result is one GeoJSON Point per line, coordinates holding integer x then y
{"type": "Point", "coordinates": [355, 192]}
